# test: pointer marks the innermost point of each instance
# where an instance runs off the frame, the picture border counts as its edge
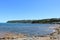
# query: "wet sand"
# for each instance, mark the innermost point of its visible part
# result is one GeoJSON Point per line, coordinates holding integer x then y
{"type": "Point", "coordinates": [13, 36]}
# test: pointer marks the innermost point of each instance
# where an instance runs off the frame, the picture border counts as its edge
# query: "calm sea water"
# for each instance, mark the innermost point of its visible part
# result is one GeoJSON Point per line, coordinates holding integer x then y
{"type": "Point", "coordinates": [25, 28]}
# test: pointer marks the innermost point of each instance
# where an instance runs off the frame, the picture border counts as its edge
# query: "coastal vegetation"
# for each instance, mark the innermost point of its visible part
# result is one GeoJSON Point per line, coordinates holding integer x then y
{"type": "Point", "coordinates": [52, 20]}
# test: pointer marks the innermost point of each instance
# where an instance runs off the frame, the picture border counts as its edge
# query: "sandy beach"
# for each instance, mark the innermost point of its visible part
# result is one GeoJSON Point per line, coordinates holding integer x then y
{"type": "Point", "coordinates": [9, 36]}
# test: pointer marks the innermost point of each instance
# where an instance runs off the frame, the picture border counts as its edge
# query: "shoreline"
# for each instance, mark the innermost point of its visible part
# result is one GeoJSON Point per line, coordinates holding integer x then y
{"type": "Point", "coordinates": [12, 36]}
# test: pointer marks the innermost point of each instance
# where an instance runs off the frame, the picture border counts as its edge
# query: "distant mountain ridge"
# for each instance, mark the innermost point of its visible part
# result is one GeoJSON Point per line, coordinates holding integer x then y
{"type": "Point", "coordinates": [52, 20]}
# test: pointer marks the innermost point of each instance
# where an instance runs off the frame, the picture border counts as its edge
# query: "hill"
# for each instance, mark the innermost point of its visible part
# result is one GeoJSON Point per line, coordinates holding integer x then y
{"type": "Point", "coordinates": [52, 20]}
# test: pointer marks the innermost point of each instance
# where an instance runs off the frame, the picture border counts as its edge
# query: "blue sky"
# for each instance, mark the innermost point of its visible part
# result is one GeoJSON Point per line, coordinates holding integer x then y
{"type": "Point", "coordinates": [28, 9]}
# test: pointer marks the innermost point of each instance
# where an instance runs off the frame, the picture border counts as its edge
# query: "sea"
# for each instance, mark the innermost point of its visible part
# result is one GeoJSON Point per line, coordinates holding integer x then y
{"type": "Point", "coordinates": [27, 28]}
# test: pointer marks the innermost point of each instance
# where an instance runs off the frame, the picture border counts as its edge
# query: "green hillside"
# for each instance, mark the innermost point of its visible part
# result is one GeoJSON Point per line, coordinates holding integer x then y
{"type": "Point", "coordinates": [52, 20]}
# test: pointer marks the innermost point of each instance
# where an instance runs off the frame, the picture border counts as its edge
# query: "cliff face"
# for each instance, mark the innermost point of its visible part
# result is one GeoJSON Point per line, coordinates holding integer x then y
{"type": "Point", "coordinates": [52, 20]}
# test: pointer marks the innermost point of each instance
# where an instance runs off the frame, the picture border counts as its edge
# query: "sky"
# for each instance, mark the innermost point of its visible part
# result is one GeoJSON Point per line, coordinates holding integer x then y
{"type": "Point", "coordinates": [29, 9]}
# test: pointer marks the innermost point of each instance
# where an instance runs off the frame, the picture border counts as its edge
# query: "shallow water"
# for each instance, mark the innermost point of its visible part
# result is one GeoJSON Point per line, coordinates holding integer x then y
{"type": "Point", "coordinates": [26, 28]}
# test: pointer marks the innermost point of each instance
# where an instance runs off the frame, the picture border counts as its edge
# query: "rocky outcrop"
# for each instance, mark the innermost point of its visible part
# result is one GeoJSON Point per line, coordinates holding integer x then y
{"type": "Point", "coordinates": [55, 35]}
